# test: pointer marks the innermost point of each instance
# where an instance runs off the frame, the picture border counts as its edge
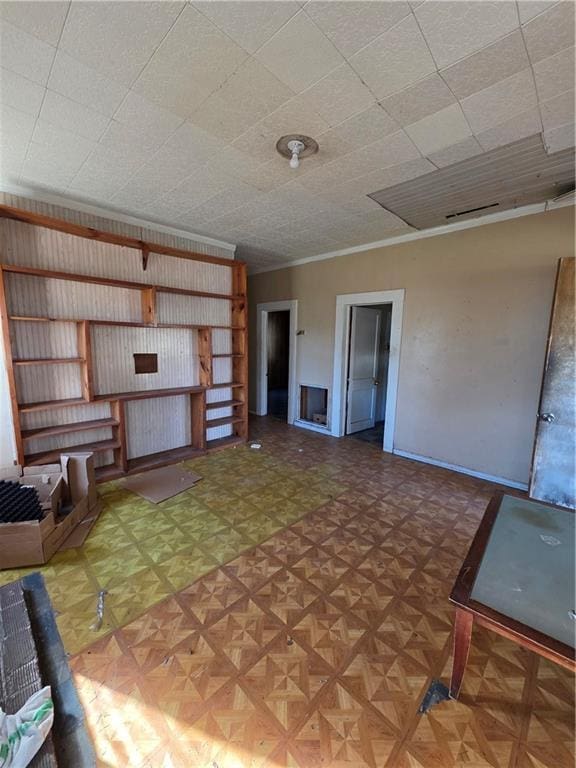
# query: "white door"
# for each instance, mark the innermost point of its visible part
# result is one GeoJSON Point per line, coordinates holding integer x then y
{"type": "Point", "coordinates": [362, 369]}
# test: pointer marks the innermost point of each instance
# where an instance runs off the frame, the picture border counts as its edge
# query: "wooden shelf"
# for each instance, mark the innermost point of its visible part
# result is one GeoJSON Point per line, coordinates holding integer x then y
{"type": "Point", "coordinates": [50, 361]}
{"type": "Point", "coordinates": [224, 404]}
{"type": "Point", "coordinates": [118, 419]}
{"type": "Point", "coordinates": [49, 404]}
{"type": "Point", "coordinates": [224, 422]}
{"type": "Point", "coordinates": [122, 323]}
{"type": "Point", "coordinates": [153, 460]}
{"type": "Point", "coordinates": [112, 282]}
{"type": "Point", "coordinates": [224, 442]}
{"type": "Point", "coordinates": [146, 394]}
{"type": "Point", "coordinates": [231, 385]}
{"type": "Point", "coordinates": [64, 429]}
{"type": "Point", "coordinates": [48, 457]}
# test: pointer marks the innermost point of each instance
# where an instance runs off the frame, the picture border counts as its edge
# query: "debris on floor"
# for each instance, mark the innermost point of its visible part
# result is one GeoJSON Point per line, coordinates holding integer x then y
{"type": "Point", "coordinates": [99, 611]}
{"type": "Point", "coordinates": [256, 446]}
{"type": "Point", "coordinates": [157, 485]}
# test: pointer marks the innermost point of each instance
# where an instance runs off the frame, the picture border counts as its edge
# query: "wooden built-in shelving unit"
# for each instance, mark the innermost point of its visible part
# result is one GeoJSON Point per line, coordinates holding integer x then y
{"type": "Point", "coordinates": [83, 357]}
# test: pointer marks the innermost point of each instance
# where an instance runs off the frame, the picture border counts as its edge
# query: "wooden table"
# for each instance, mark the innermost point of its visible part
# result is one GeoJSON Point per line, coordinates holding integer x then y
{"type": "Point", "coordinates": [518, 580]}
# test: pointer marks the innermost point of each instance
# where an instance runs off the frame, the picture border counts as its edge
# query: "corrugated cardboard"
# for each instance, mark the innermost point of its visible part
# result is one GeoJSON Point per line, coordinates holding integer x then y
{"type": "Point", "coordinates": [34, 542]}
{"type": "Point", "coordinates": [78, 471]}
{"type": "Point", "coordinates": [157, 485]}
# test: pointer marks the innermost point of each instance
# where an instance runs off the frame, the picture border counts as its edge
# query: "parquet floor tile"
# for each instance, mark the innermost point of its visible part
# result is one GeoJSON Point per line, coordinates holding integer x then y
{"type": "Point", "coordinates": [290, 612]}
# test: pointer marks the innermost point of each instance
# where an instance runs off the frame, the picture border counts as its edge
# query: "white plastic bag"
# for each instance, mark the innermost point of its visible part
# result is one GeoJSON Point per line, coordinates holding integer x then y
{"type": "Point", "coordinates": [22, 734]}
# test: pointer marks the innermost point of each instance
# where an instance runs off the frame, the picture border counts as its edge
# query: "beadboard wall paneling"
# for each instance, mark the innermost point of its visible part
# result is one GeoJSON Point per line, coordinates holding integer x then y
{"type": "Point", "coordinates": [37, 383]}
{"type": "Point", "coordinates": [192, 310]}
{"type": "Point", "coordinates": [157, 424]}
{"type": "Point", "coordinates": [117, 227]}
{"type": "Point", "coordinates": [113, 348]}
{"type": "Point", "coordinates": [31, 246]}
{"type": "Point", "coordinates": [32, 296]}
{"type": "Point", "coordinates": [39, 341]}
{"type": "Point", "coordinates": [222, 370]}
{"type": "Point", "coordinates": [221, 341]}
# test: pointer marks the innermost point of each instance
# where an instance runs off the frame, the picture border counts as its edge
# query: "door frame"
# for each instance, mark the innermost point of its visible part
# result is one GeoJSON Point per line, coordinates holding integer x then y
{"type": "Point", "coordinates": [341, 354]}
{"type": "Point", "coordinates": [376, 366]}
{"type": "Point", "coordinates": [262, 311]}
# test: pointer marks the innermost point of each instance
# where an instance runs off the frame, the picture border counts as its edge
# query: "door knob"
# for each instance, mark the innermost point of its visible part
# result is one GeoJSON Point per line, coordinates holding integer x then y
{"type": "Point", "coordinates": [547, 417]}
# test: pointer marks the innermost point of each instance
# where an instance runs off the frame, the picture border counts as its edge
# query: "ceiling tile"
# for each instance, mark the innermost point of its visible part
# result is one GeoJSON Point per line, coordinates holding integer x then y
{"type": "Point", "coordinates": [192, 145]}
{"type": "Point", "coordinates": [339, 95]}
{"type": "Point", "coordinates": [457, 28]}
{"type": "Point", "coordinates": [392, 150]}
{"type": "Point", "coordinates": [560, 138]}
{"type": "Point", "coordinates": [71, 78]}
{"type": "Point", "coordinates": [496, 62]}
{"type": "Point", "coordinates": [439, 130]}
{"type": "Point", "coordinates": [154, 124]}
{"type": "Point", "coordinates": [500, 102]}
{"type": "Point", "coordinates": [389, 177]}
{"type": "Point", "coordinates": [68, 159]}
{"type": "Point", "coordinates": [41, 19]}
{"type": "Point", "coordinates": [558, 111]}
{"type": "Point", "coordinates": [15, 126]}
{"type": "Point", "coordinates": [249, 95]}
{"type": "Point", "coordinates": [73, 117]}
{"type": "Point", "coordinates": [555, 74]}
{"type": "Point", "coordinates": [57, 143]}
{"type": "Point", "coordinates": [530, 8]}
{"type": "Point", "coordinates": [24, 54]}
{"type": "Point", "coordinates": [299, 54]}
{"type": "Point", "coordinates": [20, 93]}
{"type": "Point", "coordinates": [259, 141]}
{"type": "Point", "coordinates": [105, 172]}
{"type": "Point", "coordinates": [519, 127]}
{"type": "Point", "coordinates": [550, 32]}
{"type": "Point", "coordinates": [41, 172]}
{"type": "Point", "coordinates": [235, 195]}
{"type": "Point", "coordinates": [194, 59]}
{"type": "Point", "coordinates": [426, 97]}
{"type": "Point", "coordinates": [456, 152]}
{"type": "Point", "coordinates": [117, 38]}
{"type": "Point", "coordinates": [250, 24]}
{"type": "Point", "coordinates": [364, 128]}
{"type": "Point", "coordinates": [352, 25]}
{"type": "Point", "coordinates": [197, 188]}
{"type": "Point", "coordinates": [395, 60]}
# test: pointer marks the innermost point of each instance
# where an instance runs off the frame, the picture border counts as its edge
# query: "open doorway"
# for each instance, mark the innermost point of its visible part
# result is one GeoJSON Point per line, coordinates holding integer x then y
{"type": "Point", "coordinates": [379, 332]}
{"type": "Point", "coordinates": [276, 348]}
{"type": "Point", "coordinates": [367, 379]}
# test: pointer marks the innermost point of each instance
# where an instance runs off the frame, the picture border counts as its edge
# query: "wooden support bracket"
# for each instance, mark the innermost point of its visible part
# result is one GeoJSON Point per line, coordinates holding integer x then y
{"type": "Point", "coordinates": [145, 256]}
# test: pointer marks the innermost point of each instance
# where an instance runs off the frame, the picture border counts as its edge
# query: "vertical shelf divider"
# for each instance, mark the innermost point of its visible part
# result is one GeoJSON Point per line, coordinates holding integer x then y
{"type": "Point", "coordinates": [118, 411]}
{"type": "Point", "coordinates": [149, 311]}
{"type": "Point", "coordinates": [85, 352]}
{"type": "Point", "coordinates": [10, 368]}
{"type": "Point", "coordinates": [239, 345]}
{"type": "Point", "coordinates": [205, 356]}
{"type": "Point", "coordinates": [198, 420]}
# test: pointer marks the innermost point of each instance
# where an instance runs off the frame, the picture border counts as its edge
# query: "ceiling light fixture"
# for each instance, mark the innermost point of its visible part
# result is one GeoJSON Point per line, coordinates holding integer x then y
{"type": "Point", "coordinates": [296, 146]}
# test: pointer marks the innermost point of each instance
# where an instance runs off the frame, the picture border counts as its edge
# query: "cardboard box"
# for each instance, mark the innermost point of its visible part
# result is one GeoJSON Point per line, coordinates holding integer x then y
{"type": "Point", "coordinates": [66, 498]}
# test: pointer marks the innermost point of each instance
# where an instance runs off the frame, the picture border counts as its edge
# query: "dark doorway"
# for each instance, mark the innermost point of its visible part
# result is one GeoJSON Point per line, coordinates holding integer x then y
{"type": "Point", "coordinates": [278, 346]}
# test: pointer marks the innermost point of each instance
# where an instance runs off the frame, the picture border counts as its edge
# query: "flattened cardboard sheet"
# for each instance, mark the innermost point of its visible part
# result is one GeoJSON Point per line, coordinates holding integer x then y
{"type": "Point", "coordinates": [157, 485]}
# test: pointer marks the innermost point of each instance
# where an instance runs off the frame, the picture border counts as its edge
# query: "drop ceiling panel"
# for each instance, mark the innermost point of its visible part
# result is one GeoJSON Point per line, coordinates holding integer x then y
{"type": "Point", "coordinates": [515, 175]}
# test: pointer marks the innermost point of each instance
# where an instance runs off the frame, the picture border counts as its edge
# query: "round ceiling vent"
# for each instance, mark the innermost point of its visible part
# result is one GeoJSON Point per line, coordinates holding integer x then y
{"type": "Point", "coordinates": [296, 146]}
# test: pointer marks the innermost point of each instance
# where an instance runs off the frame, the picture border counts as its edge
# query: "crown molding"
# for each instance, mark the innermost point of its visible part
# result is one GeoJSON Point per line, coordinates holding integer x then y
{"type": "Point", "coordinates": [423, 234]}
{"type": "Point", "coordinates": [113, 215]}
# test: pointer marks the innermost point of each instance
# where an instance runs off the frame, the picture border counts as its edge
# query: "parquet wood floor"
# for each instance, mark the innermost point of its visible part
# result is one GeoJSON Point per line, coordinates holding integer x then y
{"type": "Point", "coordinates": [315, 647]}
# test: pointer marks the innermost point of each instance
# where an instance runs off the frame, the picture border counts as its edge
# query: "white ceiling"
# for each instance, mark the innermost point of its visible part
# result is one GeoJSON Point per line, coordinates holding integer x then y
{"type": "Point", "coordinates": [171, 110]}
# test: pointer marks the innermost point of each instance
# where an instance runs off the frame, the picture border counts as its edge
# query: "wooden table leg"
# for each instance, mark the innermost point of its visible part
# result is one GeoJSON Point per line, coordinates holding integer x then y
{"type": "Point", "coordinates": [463, 622]}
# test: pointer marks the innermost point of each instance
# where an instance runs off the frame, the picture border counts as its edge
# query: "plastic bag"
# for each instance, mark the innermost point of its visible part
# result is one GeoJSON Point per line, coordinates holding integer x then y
{"type": "Point", "coordinates": [22, 734]}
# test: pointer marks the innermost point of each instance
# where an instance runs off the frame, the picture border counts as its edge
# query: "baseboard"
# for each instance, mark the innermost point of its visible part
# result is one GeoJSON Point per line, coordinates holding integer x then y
{"type": "Point", "coordinates": [462, 470]}
{"type": "Point", "coordinates": [312, 427]}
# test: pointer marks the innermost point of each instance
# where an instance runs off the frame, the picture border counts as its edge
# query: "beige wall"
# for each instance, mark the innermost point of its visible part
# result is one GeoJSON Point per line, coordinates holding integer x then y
{"type": "Point", "coordinates": [476, 311]}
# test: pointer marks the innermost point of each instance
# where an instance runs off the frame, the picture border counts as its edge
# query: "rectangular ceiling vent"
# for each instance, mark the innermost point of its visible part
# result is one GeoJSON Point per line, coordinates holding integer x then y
{"type": "Point", "coordinates": [471, 210]}
{"type": "Point", "coordinates": [518, 174]}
